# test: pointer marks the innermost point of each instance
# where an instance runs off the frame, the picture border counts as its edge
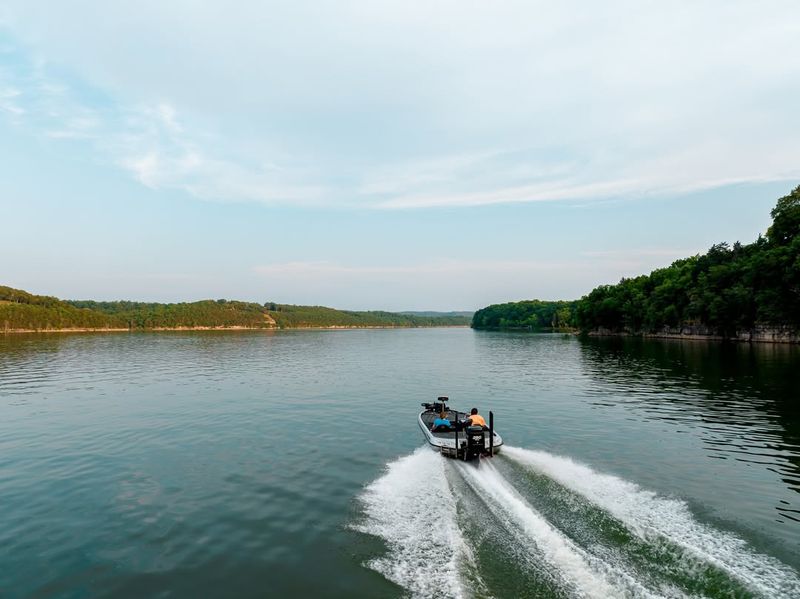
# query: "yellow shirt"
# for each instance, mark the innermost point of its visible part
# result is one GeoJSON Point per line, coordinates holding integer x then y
{"type": "Point", "coordinates": [477, 420]}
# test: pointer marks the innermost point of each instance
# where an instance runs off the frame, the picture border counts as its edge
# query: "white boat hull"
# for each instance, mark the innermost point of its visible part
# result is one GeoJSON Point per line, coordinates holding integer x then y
{"type": "Point", "coordinates": [446, 442]}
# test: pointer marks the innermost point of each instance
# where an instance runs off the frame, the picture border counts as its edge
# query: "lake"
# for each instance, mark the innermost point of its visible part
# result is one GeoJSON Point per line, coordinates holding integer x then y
{"type": "Point", "coordinates": [290, 463]}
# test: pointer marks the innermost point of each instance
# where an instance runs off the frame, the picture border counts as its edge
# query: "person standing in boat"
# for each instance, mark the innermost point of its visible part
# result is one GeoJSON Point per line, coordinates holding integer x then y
{"type": "Point", "coordinates": [441, 421]}
{"type": "Point", "coordinates": [475, 419]}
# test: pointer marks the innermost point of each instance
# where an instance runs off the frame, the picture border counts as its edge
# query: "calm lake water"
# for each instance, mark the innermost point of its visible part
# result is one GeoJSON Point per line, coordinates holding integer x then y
{"type": "Point", "coordinates": [272, 464]}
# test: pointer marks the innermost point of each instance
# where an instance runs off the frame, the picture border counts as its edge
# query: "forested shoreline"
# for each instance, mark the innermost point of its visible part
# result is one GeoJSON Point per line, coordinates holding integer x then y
{"type": "Point", "coordinates": [739, 291]}
{"type": "Point", "coordinates": [734, 291]}
{"type": "Point", "coordinates": [21, 311]}
{"type": "Point", "coordinates": [528, 315]}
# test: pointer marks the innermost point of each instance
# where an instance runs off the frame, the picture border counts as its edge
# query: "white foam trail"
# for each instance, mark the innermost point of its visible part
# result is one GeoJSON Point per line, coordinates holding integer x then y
{"type": "Point", "coordinates": [590, 576]}
{"type": "Point", "coordinates": [650, 516]}
{"type": "Point", "coordinates": [413, 509]}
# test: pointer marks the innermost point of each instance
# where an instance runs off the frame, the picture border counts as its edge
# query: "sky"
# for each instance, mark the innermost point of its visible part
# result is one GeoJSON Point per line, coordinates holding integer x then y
{"type": "Point", "coordinates": [385, 155]}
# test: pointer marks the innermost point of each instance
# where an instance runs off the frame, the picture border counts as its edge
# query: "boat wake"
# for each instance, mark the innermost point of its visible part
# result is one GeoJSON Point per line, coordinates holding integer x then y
{"type": "Point", "coordinates": [413, 509]}
{"type": "Point", "coordinates": [662, 521]}
{"type": "Point", "coordinates": [530, 523]}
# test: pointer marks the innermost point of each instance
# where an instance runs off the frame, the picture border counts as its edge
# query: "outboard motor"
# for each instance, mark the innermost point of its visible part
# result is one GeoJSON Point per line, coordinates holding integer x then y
{"type": "Point", "coordinates": [476, 443]}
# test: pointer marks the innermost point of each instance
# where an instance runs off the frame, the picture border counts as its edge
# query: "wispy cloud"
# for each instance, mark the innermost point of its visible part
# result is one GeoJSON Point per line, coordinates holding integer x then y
{"type": "Point", "coordinates": [150, 142]}
{"type": "Point", "coordinates": [545, 192]}
{"type": "Point", "coordinates": [9, 97]}
{"type": "Point", "coordinates": [157, 149]}
{"type": "Point", "coordinates": [436, 267]}
{"type": "Point", "coordinates": [452, 268]}
{"type": "Point", "coordinates": [642, 252]}
{"type": "Point", "coordinates": [676, 174]}
{"type": "Point", "coordinates": [76, 127]}
{"type": "Point", "coordinates": [386, 108]}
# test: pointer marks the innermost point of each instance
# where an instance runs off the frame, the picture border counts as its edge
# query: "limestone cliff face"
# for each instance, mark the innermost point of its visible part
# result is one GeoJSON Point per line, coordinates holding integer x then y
{"type": "Point", "coordinates": [758, 334]}
{"type": "Point", "coordinates": [770, 335]}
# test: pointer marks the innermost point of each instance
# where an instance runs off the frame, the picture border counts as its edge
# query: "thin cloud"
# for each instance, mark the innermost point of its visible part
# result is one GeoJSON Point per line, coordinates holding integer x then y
{"type": "Point", "coordinates": [8, 101]}
{"type": "Point", "coordinates": [508, 103]}
{"type": "Point", "coordinates": [546, 192]}
{"type": "Point", "coordinates": [649, 252]}
{"type": "Point", "coordinates": [569, 190]}
{"type": "Point", "coordinates": [310, 269]}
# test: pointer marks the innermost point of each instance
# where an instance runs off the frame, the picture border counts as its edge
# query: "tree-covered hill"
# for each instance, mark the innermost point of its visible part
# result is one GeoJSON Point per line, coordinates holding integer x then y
{"type": "Point", "coordinates": [727, 290]}
{"type": "Point", "coordinates": [319, 316]}
{"type": "Point", "coordinates": [23, 311]}
{"type": "Point", "coordinates": [531, 314]}
{"type": "Point", "coordinates": [433, 313]}
{"type": "Point", "coordinates": [20, 310]}
{"type": "Point", "coordinates": [205, 313]}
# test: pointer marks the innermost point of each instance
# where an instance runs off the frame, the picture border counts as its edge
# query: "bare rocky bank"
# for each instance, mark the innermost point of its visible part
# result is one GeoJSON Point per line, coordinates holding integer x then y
{"type": "Point", "coordinates": [759, 334]}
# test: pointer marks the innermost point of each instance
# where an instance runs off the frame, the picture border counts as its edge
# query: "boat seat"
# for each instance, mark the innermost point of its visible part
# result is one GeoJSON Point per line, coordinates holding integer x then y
{"type": "Point", "coordinates": [442, 429]}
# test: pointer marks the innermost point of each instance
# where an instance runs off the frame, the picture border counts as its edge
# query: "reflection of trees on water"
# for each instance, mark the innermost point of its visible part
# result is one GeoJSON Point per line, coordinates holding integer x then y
{"type": "Point", "coordinates": [744, 398]}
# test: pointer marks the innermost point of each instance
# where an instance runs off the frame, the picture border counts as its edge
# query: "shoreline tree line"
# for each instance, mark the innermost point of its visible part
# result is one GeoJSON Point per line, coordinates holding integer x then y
{"type": "Point", "coordinates": [730, 288]}
{"type": "Point", "coordinates": [23, 311]}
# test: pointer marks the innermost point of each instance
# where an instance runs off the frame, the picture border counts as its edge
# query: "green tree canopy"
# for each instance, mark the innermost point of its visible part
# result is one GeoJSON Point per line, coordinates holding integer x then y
{"type": "Point", "coordinates": [727, 289]}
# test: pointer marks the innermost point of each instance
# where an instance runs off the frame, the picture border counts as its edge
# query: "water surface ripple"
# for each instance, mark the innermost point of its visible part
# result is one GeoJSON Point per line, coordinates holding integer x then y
{"type": "Point", "coordinates": [289, 464]}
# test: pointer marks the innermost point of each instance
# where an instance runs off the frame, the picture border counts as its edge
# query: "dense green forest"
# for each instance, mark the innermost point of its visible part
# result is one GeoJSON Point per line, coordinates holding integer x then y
{"type": "Point", "coordinates": [435, 314]}
{"type": "Point", "coordinates": [303, 316]}
{"type": "Point", "coordinates": [20, 310]}
{"type": "Point", "coordinates": [206, 313]}
{"type": "Point", "coordinates": [532, 314]}
{"type": "Point", "coordinates": [729, 289]}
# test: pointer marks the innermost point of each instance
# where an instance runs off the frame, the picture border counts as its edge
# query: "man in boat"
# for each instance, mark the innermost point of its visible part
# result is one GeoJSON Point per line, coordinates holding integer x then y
{"type": "Point", "coordinates": [475, 419]}
{"type": "Point", "coordinates": [441, 423]}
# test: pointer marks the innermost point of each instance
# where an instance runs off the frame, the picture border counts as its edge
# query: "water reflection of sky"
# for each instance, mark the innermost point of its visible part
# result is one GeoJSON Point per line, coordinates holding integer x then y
{"type": "Point", "coordinates": [110, 433]}
{"type": "Point", "coordinates": [714, 425]}
{"type": "Point", "coordinates": [738, 398]}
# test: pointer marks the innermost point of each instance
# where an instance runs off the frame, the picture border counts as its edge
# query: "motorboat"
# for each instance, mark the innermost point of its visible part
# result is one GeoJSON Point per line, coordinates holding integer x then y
{"type": "Point", "coordinates": [460, 440]}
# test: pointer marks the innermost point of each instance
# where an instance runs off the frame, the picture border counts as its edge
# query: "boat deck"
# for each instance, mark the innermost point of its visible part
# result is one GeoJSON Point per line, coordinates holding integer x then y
{"type": "Point", "coordinates": [427, 419]}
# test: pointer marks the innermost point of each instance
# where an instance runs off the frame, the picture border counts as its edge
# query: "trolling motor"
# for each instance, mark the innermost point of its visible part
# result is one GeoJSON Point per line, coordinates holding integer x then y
{"type": "Point", "coordinates": [439, 406]}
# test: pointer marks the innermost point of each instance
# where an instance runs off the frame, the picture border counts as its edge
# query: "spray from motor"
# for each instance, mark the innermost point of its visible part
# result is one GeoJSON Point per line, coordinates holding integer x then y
{"type": "Point", "coordinates": [419, 506]}
{"type": "Point", "coordinates": [412, 508]}
{"type": "Point", "coordinates": [654, 518]}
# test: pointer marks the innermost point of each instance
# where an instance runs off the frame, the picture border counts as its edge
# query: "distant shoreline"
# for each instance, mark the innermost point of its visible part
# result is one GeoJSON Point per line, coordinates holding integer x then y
{"type": "Point", "coordinates": [230, 328]}
{"type": "Point", "coordinates": [23, 312]}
